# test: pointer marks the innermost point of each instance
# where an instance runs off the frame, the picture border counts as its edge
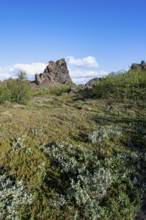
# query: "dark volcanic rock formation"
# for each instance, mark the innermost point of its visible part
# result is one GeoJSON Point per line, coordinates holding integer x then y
{"type": "Point", "coordinates": [55, 73]}
{"type": "Point", "coordinates": [142, 65]}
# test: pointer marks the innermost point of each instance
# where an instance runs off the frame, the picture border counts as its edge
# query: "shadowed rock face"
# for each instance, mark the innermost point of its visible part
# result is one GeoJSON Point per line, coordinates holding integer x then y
{"type": "Point", "coordinates": [55, 72]}
{"type": "Point", "coordinates": [142, 65]}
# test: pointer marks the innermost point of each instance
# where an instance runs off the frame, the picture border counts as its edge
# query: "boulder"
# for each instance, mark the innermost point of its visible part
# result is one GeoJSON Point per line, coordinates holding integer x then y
{"type": "Point", "coordinates": [141, 65]}
{"type": "Point", "coordinates": [134, 66]}
{"type": "Point", "coordinates": [143, 62]}
{"type": "Point", "coordinates": [54, 73]}
{"type": "Point", "coordinates": [91, 83]}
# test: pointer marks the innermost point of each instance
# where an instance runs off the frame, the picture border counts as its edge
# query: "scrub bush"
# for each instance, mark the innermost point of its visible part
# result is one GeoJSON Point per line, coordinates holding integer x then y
{"type": "Point", "coordinates": [127, 85]}
{"type": "Point", "coordinates": [16, 91]}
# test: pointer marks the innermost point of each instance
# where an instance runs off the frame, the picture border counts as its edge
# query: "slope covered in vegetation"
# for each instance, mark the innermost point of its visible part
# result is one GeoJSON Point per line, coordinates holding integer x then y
{"type": "Point", "coordinates": [76, 155]}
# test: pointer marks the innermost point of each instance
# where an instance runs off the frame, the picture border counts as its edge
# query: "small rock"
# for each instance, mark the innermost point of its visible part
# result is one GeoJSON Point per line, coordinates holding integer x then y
{"type": "Point", "coordinates": [91, 83]}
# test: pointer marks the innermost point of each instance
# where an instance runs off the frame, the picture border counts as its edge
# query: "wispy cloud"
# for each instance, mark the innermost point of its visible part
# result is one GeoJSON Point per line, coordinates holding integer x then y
{"type": "Point", "coordinates": [84, 69]}
{"type": "Point", "coordinates": [5, 74]}
{"type": "Point", "coordinates": [85, 62]}
{"type": "Point", "coordinates": [81, 77]}
{"type": "Point", "coordinates": [30, 69]}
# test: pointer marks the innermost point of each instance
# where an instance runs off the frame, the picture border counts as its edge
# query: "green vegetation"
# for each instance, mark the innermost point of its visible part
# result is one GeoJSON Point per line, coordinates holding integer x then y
{"type": "Point", "coordinates": [122, 86]}
{"type": "Point", "coordinates": [22, 75]}
{"type": "Point", "coordinates": [78, 155]}
{"type": "Point", "coordinates": [59, 90]}
{"type": "Point", "coordinates": [18, 91]}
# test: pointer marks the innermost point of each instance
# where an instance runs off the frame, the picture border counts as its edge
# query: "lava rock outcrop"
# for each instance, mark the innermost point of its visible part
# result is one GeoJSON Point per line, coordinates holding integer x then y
{"type": "Point", "coordinates": [55, 73]}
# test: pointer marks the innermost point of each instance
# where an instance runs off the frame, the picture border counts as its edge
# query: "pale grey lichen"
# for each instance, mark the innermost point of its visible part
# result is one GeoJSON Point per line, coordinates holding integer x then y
{"type": "Point", "coordinates": [13, 196]}
{"type": "Point", "coordinates": [18, 145]}
{"type": "Point", "coordinates": [103, 133]}
{"type": "Point", "coordinates": [88, 190]}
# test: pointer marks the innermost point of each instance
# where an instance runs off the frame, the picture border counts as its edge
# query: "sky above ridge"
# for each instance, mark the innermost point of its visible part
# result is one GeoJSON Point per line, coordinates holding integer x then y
{"type": "Point", "coordinates": [94, 36]}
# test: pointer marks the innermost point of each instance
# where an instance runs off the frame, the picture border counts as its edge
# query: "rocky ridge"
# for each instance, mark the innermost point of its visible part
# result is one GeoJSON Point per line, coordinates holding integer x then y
{"type": "Point", "coordinates": [58, 73]}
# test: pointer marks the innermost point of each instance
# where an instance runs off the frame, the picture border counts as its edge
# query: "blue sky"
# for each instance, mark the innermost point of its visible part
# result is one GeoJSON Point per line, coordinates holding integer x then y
{"type": "Point", "coordinates": [95, 36]}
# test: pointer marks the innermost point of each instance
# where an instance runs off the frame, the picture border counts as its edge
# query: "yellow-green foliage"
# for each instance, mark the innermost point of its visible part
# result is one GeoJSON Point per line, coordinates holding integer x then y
{"type": "Point", "coordinates": [59, 90]}
{"type": "Point", "coordinates": [130, 84]}
{"type": "Point", "coordinates": [18, 91]}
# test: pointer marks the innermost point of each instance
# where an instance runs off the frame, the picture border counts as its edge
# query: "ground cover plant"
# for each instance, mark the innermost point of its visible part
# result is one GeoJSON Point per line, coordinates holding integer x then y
{"type": "Point", "coordinates": [75, 155]}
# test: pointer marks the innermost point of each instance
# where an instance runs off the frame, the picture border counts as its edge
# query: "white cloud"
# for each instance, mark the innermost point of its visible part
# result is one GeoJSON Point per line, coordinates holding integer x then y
{"type": "Point", "coordinates": [81, 77]}
{"type": "Point", "coordinates": [78, 75]}
{"type": "Point", "coordinates": [30, 69]}
{"type": "Point", "coordinates": [83, 69]}
{"type": "Point", "coordinates": [4, 74]}
{"type": "Point", "coordinates": [82, 62]}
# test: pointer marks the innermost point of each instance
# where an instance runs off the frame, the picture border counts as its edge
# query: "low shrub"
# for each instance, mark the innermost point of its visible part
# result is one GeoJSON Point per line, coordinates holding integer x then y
{"type": "Point", "coordinates": [59, 90]}
{"type": "Point", "coordinates": [127, 85]}
{"type": "Point", "coordinates": [17, 91]}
